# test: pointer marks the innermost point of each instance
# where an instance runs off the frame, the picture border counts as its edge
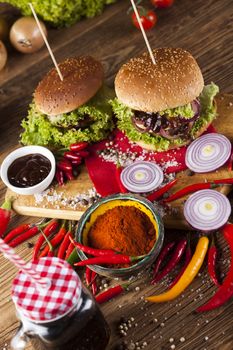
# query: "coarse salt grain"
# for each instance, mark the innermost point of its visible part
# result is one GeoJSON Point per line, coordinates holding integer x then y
{"type": "Point", "coordinates": [59, 199]}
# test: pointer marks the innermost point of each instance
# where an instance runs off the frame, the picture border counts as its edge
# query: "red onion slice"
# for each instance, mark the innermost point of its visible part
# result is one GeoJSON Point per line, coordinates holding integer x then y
{"type": "Point", "coordinates": [207, 153]}
{"type": "Point", "coordinates": [139, 126]}
{"type": "Point", "coordinates": [142, 177]}
{"type": "Point", "coordinates": [166, 135]}
{"type": "Point", "coordinates": [207, 210]}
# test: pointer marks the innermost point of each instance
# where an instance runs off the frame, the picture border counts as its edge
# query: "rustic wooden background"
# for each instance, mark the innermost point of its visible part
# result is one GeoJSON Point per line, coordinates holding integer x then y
{"type": "Point", "coordinates": [206, 29]}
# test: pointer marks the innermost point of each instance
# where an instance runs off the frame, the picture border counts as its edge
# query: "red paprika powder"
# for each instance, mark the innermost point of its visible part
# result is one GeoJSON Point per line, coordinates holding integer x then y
{"type": "Point", "coordinates": [125, 229]}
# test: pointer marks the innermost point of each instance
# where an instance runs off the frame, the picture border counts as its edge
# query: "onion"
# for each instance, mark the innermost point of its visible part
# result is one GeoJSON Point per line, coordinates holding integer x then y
{"type": "Point", "coordinates": [196, 106]}
{"type": "Point", "coordinates": [142, 176]}
{"type": "Point", "coordinates": [25, 35]}
{"type": "Point", "coordinates": [207, 210]}
{"type": "Point", "coordinates": [140, 126]}
{"type": "Point", "coordinates": [166, 134]}
{"type": "Point", "coordinates": [208, 153]}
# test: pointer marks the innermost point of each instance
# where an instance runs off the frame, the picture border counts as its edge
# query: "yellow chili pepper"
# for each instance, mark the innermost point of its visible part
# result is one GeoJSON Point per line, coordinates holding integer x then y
{"type": "Point", "coordinates": [188, 275]}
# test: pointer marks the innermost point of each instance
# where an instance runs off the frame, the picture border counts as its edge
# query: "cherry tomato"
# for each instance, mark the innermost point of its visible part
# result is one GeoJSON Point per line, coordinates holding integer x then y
{"type": "Point", "coordinates": [148, 19]}
{"type": "Point", "coordinates": [162, 3]}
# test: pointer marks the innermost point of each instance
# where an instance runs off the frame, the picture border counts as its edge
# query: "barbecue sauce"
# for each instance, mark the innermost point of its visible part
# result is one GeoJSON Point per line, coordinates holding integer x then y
{"type": "Point", "coordinates": [29, 170]}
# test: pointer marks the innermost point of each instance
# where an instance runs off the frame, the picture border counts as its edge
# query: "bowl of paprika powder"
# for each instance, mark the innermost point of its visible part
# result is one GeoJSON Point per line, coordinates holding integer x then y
{"type": "Point", "coordinates": [126, 223]}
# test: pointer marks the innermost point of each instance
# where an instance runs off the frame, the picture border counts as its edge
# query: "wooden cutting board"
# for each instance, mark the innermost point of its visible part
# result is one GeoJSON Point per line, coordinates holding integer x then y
{"type": "Point", "coordinates": [71, 200]}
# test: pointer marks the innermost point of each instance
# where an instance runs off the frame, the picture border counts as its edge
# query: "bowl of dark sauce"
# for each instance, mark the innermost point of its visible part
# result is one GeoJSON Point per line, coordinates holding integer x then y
{"type": "Point", "coordinates": [28, 170]}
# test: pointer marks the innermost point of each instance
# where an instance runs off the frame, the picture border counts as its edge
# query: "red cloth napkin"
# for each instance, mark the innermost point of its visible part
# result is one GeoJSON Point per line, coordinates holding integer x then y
{"type": "Point", "coordinates": [103, 173]}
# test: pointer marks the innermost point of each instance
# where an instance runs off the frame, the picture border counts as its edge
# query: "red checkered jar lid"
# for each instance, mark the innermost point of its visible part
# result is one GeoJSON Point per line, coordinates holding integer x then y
{"type": "Point", "coordinates": [47, 304]}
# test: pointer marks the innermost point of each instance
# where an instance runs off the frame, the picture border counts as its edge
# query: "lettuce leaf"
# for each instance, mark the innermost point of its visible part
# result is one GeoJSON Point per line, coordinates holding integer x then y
{"type": "Point", "coordinates": [208, 108]}
{"type": "Point", "coordinates": [38, 130]}
{"type": "Point", "coordinates": [185, 111]}
{"type": "Point", "coordinates": [124, 123]}
{"type": "Point", "coordinates": [62, 12]}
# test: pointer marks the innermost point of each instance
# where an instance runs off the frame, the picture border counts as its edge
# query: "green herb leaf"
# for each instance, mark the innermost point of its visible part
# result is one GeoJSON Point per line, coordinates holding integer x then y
{"type": "Point", "coordinates": [39, 130]}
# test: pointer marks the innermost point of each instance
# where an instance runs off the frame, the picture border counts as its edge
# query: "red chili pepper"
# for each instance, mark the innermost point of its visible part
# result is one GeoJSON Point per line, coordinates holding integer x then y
{"type": "Point", "coordinates": [72, 156]}
{"type": "Point", "coordinates": [50, 253]}
{"type": "Point", "coordinates": [110, 260]}
{"type": "Point", "coordinates": [50, 228]}
{"type": "Point", "coordinates": [59, 177]}
{"type": "Point", "coordinates": [69, 250]}
{"type": "Point", "coordinates": [76, 162]}
{"type": "Point", "coordinates": [110, 293]}
{"type": "Point", "coordinates": [93, 283]}
{"type": "Point", "coordinates": [24, 236]}
{"type": "Point", "coordinates": [225, 291]}
{"type": "Point", "coordinates": [163, 254]}
{"type": "Point", "coordinates": [5, 215]}
{"type": "Point", "coordinates": [188, 257]}
{"type": "Point", "coordinates": [118, 179]}
{"type": "Point", "coordinates": [175, 258]}
{"type": "Point", "coordinates": [212, 256]}
{"type": "Point", "coordinates": [78, 146]}
{"type": "Point", "coordinates": [230, 161]}
{"type": "Point", "coordinates": [228, 181]}
{"type": "Point", "coordinates": [93, 251]}
{"type": "Point", "coordinates": [88, 273]}
{"type": "Point", "coordinates": [64, 164]}
{"type": "Point", "coordinates": [83, 154]}
{"type": "Point", "coordinates": [190, 189]}
{"type": "Point", "coordinates": [16, 231]}
{"type": "Point", "coordinates": [69, 175]}
{"type": "Point", "coordinates": [56, 240]}
{"type": "Point", "coordinates": [157, 194]}
{"type": "Point", "coordinates": [65, 244]}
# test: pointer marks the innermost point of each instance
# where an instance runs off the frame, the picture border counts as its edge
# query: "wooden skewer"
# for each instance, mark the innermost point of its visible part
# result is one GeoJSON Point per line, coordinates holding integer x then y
{"type": "Point", "coordinates": [46, 41]}
{"type": "Point", "coordinates": [143, 31]}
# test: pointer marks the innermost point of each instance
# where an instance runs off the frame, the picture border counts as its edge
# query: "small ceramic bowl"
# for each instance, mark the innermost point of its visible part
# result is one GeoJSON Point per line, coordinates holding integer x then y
{"type": "Point", "coordinates": [23, 151]}
{"type": "Point", "coordinates": [100, 207]}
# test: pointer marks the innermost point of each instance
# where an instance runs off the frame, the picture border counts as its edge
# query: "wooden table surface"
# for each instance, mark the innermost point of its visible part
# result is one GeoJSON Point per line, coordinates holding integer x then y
{"type": "Point", "coordinates": [206, 29]}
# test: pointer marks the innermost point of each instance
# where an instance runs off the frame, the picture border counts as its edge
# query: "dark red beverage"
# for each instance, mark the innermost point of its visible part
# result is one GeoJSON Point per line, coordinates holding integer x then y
{"type": "Point", "coordinates": [83, 327]}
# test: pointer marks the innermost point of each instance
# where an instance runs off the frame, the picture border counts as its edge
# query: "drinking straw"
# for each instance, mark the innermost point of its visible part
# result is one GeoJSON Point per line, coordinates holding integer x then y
{"type": "Point", "coordinates": [10, 254]}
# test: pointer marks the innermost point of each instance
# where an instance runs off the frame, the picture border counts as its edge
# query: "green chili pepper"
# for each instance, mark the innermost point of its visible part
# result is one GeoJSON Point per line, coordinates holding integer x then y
{"type": "Point", "coordinates": [73, 258]}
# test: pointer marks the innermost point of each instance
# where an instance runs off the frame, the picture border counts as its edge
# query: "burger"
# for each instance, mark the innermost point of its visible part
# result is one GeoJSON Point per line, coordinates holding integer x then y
{"type": "Point", "coordinates": [70, 110]}
{"type": "Point", "coordinates": [165, 105]}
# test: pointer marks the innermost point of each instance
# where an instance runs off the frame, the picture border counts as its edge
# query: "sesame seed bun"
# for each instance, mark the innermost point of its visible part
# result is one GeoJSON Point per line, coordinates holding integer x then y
{"type": "Point", "coordinates": [173, 81]}
{"type": "Point", "coordinates": [83, 77]}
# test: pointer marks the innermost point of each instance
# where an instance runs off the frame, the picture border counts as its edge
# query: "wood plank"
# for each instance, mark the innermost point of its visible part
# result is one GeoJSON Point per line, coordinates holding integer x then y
{"type": "Point", "coordinates": [62, 208]}
{"type": "Point", "coordinates": [203, 27]}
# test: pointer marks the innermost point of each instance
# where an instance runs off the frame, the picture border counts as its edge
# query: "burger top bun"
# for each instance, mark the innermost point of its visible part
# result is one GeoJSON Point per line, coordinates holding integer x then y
{"type": "Point", "coordinates": [173, 81]}
{"type": "Point", "coordinates": [82, 78]}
